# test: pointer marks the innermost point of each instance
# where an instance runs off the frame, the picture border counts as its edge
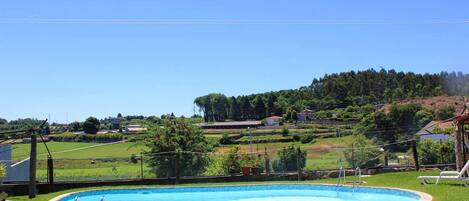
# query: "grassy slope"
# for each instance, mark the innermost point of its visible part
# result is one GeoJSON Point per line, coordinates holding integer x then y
{"type": "Point", "coordinates": [321, 154]}
{"type": "Point", "coordinates": [448, 191]}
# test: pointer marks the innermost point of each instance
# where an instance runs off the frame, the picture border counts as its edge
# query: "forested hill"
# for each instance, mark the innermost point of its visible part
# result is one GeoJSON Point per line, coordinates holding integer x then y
{"type": "Point", "coordinates": [337, 90]}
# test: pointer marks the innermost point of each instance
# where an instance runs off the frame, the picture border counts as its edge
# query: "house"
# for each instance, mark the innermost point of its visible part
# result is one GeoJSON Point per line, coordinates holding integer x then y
{"type": "Point", "coordinates": [230, 125]}
{"type": "Point", "coordinates": [430, 132]}
{"type": "Point", "coordinates": [306, 115]}
{"type": "Point", "coordinates": [15, 171]}
{"type": "Point", "coordinates": [135, 128]}
{"type": "Point", "coordinates": [273, 121]}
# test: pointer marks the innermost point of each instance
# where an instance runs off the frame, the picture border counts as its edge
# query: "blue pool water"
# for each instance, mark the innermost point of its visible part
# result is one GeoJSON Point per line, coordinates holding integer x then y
{"type": "Point", "coordinates": [248, 193]}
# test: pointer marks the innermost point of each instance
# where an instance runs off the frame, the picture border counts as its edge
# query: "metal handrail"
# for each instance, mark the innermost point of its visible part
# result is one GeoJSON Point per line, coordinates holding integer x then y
{"type": "Point", "coordinates": [358, 173]}
{"type": "Point", "coordinates": [341, 174]}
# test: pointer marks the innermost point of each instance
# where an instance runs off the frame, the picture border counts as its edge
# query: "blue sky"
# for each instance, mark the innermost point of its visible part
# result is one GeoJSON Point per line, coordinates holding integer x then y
{"type": "Point", "coordinates": [151, 57]}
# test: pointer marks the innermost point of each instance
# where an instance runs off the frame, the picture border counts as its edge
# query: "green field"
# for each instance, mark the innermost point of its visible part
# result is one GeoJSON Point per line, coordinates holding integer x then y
{"type": "Point", "coordinates": [21, 151]}
{"type": "Point", "coordinates": [446, 191]}
{"type": "Point", "coordinates": [94, 163]}
{"type": "Point", "coordinates": [82, 161]}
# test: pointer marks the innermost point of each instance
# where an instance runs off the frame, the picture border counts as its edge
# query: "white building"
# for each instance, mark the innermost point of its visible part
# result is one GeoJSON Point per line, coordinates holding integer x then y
{"type": "Point", "coordinates": [273, 121]}
{"type": "Point", "coordinates": [135, 128]}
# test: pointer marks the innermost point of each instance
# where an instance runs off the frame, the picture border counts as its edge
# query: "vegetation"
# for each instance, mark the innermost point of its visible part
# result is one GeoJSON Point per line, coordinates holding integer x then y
{"type": "Point", "coordinates": [334, 91]}
{"type": "Point", "coordinates": [178, 144]}
{"type": "Point", "coordinates": [91, 125]}
{"type": "Point", "coordinates": [290, 159]}
{"type": "Point", "coordinates": [232, 161]}
{"type": "Point", "coordinates": [70, 137]}
{"type": "Point", "coordinates": [399, 125]}
{"type": "Point", "coordinates": [436, 152]}
{"type": "Point", "coordinates": [364, 153]}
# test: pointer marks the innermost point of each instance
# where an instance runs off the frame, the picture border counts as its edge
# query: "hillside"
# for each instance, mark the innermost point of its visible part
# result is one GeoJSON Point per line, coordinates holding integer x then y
{"type": "Point", "coordinates": [437, 102]}
{"type": "Point", "coordinates": [338, 90]}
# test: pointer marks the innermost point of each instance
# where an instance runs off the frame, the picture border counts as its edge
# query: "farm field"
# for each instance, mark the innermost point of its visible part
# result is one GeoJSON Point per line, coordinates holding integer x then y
{"type": "Point", "coordinates": [93, 161]}
{"type": "Point", "coordinates": [118, 150]}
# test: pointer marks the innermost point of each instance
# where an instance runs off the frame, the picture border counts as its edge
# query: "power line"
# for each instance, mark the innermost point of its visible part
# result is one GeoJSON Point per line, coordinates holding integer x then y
{"type": "Point", "coordinates": [148, 21]}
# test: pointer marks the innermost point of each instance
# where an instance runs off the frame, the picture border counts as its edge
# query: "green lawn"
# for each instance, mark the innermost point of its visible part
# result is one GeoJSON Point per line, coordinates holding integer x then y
{"type": "Point", "coordinates": [447, 191]}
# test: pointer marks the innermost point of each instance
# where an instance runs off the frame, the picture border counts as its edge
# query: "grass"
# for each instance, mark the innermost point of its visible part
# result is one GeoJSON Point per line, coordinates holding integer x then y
{"type": "Point", "coordinates": [113, 161]}
{"type": "Point", "coordinates": [21, 151]}
{"type": "Point", "coordinates": [447, 191]}
{"type": "Point", "coordinates": [321, 154]}
{"type": "Point", "coordinates": [110, 161]}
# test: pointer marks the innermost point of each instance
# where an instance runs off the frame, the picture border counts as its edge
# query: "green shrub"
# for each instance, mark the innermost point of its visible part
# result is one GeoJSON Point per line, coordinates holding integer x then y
{"type": "Point", "coordinates": [435, 152]}
{"type": "Point", "coordinates": [134, 159]}
{"type": "Point", "coordinates": [285, 131]}
{"type": "Point", "coordinates": [289, 158]}
{"type": "Point", "coordinates": [231, 162]}
{"type": "Point", "coordinates": [226, 139]}
{"type": "Point", "coordinates": [296, 137]}
{"type": "Point", "coordinates": [305, 139]}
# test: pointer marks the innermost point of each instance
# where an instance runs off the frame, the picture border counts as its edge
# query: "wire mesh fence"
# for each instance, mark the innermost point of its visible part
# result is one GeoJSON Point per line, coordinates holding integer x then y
{"type": "Point", "coordinates": [288, 160]}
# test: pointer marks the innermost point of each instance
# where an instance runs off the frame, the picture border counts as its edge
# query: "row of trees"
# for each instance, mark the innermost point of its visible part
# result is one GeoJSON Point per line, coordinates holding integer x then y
{"type": "Point", "coordinates": [337, 90]}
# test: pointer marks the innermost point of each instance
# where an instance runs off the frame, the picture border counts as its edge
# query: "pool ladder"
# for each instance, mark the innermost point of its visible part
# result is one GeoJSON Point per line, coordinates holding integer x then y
{"type": "Point", "coordinates": [357, 178]}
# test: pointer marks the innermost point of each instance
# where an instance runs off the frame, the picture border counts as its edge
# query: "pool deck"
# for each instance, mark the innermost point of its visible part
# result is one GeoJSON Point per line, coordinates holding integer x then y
{"type": "Point", "coordinates": [423, 196]}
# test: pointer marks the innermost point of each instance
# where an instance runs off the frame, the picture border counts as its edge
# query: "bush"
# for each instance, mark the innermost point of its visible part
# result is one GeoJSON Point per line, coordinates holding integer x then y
{"type": "Point", "coordinates": [285, 131]}
{"type": "Point", "coordinates": [288, 159]}
{"type": "Point", "coordinates": [226, 139]}
{"type": "Point", "coordinates": [436, 152]}
{"type": "Point", "coordinates": [231, 162]}
{"type": "Point", "coordinates": [444, 113]}
{"type": "Point", "coordinates": [134, 159]}
{"type": "Point", "coordinates": [305, 139]}
{"type": "Point", "coordinates": [296, 137]}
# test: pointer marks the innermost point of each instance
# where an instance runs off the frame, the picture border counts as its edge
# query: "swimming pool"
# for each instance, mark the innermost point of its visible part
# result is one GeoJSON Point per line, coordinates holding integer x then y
{"type": "Point", "coordinates": [247, 193]}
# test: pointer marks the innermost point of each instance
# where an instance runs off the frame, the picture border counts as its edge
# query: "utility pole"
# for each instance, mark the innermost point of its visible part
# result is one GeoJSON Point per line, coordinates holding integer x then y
{"type": "Point", "coordinates": [416, 155]}
{"type": "Point", "coordinates": [32, 166]}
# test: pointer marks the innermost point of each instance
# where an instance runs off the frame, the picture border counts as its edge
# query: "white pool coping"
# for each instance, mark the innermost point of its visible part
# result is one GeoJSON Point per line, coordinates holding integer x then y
{"type": "Point", "coordinates": [423, 196]}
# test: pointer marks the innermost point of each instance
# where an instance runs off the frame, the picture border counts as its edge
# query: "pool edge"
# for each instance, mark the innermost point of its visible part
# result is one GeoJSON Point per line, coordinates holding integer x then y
{"type": "Point", "coordinates": [423, 196]}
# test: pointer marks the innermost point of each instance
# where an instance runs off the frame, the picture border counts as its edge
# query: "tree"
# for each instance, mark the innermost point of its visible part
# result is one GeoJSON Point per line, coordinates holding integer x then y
{"type": "Point", "coordinates": [178, 142]}
{"type": "Point", "coordinates": [444, 113]}
{"type": "Point", "coordinates": [76, 126]}
{"type": "Point", "coordinates": [436, 152]}
{"type": "Point", "coordinates": [91, 125]}
{"type": "Point", "coordinates": [259, 107]}
{"type": "Point", "coordinates": [235, 110]}
{"type": "Point", "coordinates": [399, 125]}
{"type": "Point", "coordinates": [290, 158]}
{"type": "Point", "coordinates": [231, 162]}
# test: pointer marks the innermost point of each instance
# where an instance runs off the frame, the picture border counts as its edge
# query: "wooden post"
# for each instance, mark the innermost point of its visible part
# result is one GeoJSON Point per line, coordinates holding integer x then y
{"type": "Point", "coordinates": [298, 153]}
{"type": "Point", "coordinates": [416, 155]}
{"type": "Point", "coordinates": [267, 162]}
{"type": "Point", "coordinates": [178, 172]}
{"type": "Point", "coordinates": [141, 165]}
{"type": "Point", "coordinates": [458, 136]}
{"type": "Point", "coordinates": [50, 173]}
{"type": "Point", "coordinates": [386, 159]}
{"type": "Point", "coordinates": [32, 166]}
